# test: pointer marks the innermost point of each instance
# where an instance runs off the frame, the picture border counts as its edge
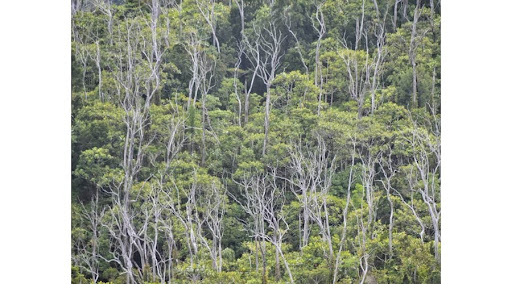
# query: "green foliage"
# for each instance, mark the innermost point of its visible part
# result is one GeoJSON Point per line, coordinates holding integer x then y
{"type": "Point", "coordinates": [176, 163]}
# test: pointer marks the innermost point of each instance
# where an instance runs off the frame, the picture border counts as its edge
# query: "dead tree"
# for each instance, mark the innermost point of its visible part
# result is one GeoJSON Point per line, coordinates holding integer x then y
{"type": "Point", "coordinates": [87, 254]}
{"type": "Point", "coordinates": [312, 177]}
{"type": "Point", "coordinates": [345, 212]}
{"type": "Point", "coordinates": [380, 36]}
{"type": "Point", "coordinates": [324, 165]}
{"type": "Point", "coordinates": [357, 73]}
{"type": "Point", "coordinates": [235, 84]}
{"type": "Point", "coordinates": [288, 24]}
{"type": "Point", "coordinates": [265, 53]}
{"type": "Point", "coordinates": [207, 10]}
{"type": "Point", "coordinates": [389, 170]}
{"type": "Point", "coordinates": [303, 182]}
{"type": "Point", "coordinates": [254, 198]}
{"type": "Point", "coordinates": [427, 162]}
{"type": "Point", "coordinates": [186, 216]}
{"type": "Point", "coordinates": [410, 204]}
{"type": "Point", "coordinates": [249, 52]}
{"type": "Point", "coordinates": [83, 55]}
{"type": "Point", "coordinates": [241, 6]}
{"type": "Point", "coordinates": [211, 201]}
{"type": "Point", "coordinates": [359, 27]}
{"type": "Point", "coordinates": [192, 46]}
{"type": "Point", "coordinates": [367, 154]}
{"type": "Point", "coordinates": [205, 80]}
{"type": "Point", "coordinates": [273, 215]}
{"type": "Point", "coordinates": [136, 76]}
{"type": "Point", "coordinates": [320, 30]}
{"type": "Point", "coordinates": [105, 7]}
{"type": "Point", "coordinates": [395, 13]}
{"type": "Point", "coordinates": [164, 197]}
{"type": "Point", "coordinates": [413, 46]}
{"type": "Point", "coordinates": [215, 210]}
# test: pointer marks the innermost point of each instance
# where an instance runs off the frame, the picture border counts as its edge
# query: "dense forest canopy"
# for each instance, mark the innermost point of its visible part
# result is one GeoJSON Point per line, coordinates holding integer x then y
{"type": "Point", "coordinates": [256, 141]}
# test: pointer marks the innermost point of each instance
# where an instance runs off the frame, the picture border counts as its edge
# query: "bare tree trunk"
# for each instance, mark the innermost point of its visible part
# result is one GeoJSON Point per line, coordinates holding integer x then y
{"type": "Point", "coordinates": [83, 55]}
{"type": "Point", "coordinates": [380, 32]}
{"type": "Point", "coordinates": [388, 171]}
{"type": "Point", "coordinates": [321, 30]}
{"type": "Point", "coordinates": [267, 119]}
{"type": "Point", "coordinates": [207, 10]}
{"type": "Point", "coordinates": [278, 265]}
{"type": "Point", "coordinates": [287, 22]}
{"type": "Point", "coordinates": [235, 86]}
{"type": "Point", "coordinates": [432, 94]}
{"type": "Point", "coordinates": [412, 53]}
{"type": "Point", "coordinates": [345, 213]}
{"type": "Point", "coordinates": [404, 12]}
{"type": "Point", "coordinates": [246, 104]}
{"type": "Point", "coordinates": [268, 63]}
{"type": "Point", "coordinates": [395, 13]}
{"type": "Point", "coordinates": [264, 260]}
{"type": "Point", "coordinates": [359, 27]}
{"type": "Point", "coordinates": [193, 83]}
{"type": "Point", "coordinates": [240, 5]}
{"type": "Point", "coordinates": [87, 256]}
{"type": "Point", "coordinates": [98, 65]}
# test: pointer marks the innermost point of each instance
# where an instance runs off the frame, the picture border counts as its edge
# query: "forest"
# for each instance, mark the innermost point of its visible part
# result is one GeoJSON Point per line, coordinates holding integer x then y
{"type": "Point", "coordinates": [256, 141]}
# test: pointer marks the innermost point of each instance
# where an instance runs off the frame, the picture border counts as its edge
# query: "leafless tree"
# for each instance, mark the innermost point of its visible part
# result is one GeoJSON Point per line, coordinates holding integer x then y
{"type": "Point", "coordinates": [411, 206]}
{"type": "Point", "coordinates": [395, 13]}
{"type": "Point", "coordinates": [105, 7]}
{"type": "Point", "coordinates": [427, 163]}
{"type": "Point", "coordinates": [359, 27]}
{"type": "Point", "coordinates": [413, 46]}
{"type": "Point", "coordinates": [163, 200]}
{"type": "Point", "coordinates": [214, 209]}
{"type": "Point", "coordinates": [312, 178]}
{"type": "Point", "coordinates": [87, 254]}
{"type": "Point", "coordinates": [155, 212]}
{"type": "Point", "coordinates": [136, 74]}
{"type": "Point", "coordinates": [120, 227]}
{"type": "Point", "coordinates": [240, 5]}
{"type": "Point", "coordinates": [266, 55]}
{"type": "Point", "coordinates": [357, 72]}
{"type": "Point", "coordinates": [274, 217]}
{"type": "Point", "coordinates": [365, 227]}
{"type": "Point", "coordinates": [320, 30]}
{"type": "Point", "coordinates": [254, 193]}
{"type": "Point", "coordinates": [245, 49]}
{"type": "Point", "coordinates": [186, 216]}
{"type": "Point", "coordinates": [380, 36]}
{"type": "Point", "coordinates": [241, 51]}
{"type": "Point", "coordinates": [192, 46]}
{"type": "Point", "coordinates": [205, 80]}
{"type": "Point", "coordinates": [204, 208]}
{"type": "Point", "coordinates": [326, 166]}
{"type": "Point", "coordinates": [81, 5]}
{"type": "Point", "coordinates": [288, 24]}
{"type": "Point", "coordinates": [362, 69]}
{"type": "Point", "coordinates": [304, 179]}
{"type": "Point", "coordinates": [83, 56]}
{"type": "Point", "coordinates": [207, 10]}
{"type": "Point", "coordinates": [263, 200]}
{"type": "Point", "coordinates": [97, 60]}
{"type": "Point", "coordinates": [405, 4]}
{"type": "Point", "coordinates": [345, 212]}
{"type": "Point", "coordinates": [389, 170]}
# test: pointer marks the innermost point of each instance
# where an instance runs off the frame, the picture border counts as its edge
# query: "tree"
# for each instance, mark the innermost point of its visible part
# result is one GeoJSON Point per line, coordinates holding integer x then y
{"type": "Point", "coordinates": [265, 56]}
